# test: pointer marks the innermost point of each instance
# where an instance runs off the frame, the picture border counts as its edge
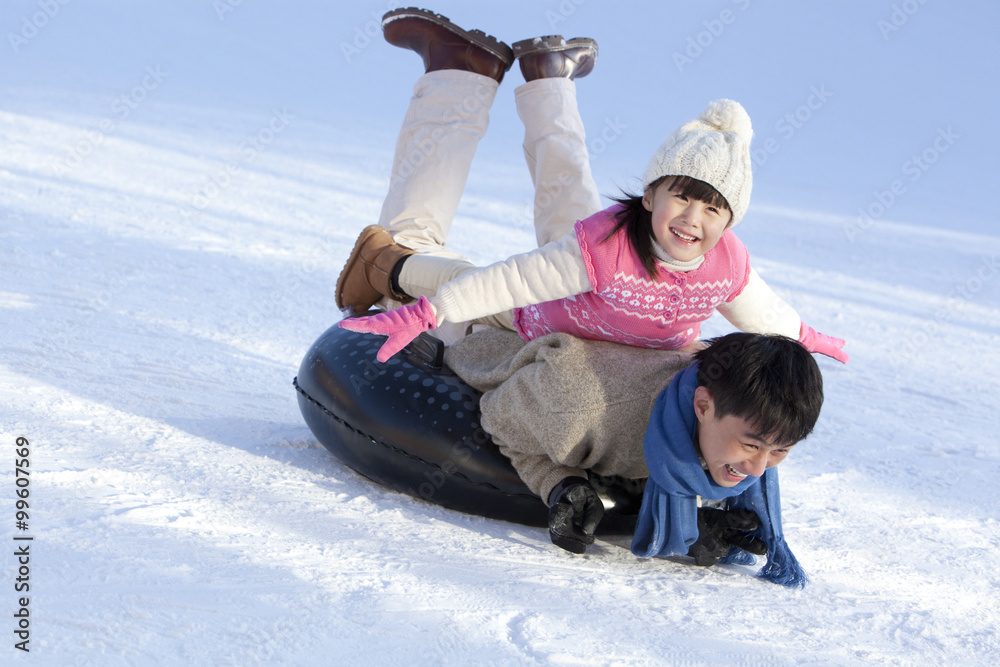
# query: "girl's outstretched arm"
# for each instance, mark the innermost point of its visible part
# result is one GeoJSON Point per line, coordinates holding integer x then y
{"type": "Point", "coordinates": [554, 271]}
{"type": "Point", "coordinates": [757, 309]}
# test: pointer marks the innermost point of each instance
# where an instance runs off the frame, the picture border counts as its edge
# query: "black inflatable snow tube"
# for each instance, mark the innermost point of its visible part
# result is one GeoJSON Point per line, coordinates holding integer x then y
{"type": "Point", "coordinates": [409, 424]}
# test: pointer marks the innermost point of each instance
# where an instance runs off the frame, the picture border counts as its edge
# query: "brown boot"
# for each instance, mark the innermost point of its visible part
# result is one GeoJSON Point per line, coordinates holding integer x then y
{"type": "Point", "coordinates": [443, 45]}
{"type": "Point", "coordinates": [553, 56]}
{"type": "Point", "coordinates": [367, 276]}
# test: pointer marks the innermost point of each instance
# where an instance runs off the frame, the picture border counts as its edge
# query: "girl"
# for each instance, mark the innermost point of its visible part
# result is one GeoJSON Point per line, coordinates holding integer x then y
{"type": "Point", "coordinates": [645, 272]}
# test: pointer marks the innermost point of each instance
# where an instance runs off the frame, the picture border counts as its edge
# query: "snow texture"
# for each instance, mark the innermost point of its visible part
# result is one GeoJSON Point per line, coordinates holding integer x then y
{"type": "Point", "coordinates": [180, 184]}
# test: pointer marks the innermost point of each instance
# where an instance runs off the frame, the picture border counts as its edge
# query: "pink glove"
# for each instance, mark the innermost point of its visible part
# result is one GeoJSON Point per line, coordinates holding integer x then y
{"type": "Point", "coordinates": [814, 341]}
{"type": "Point", "coordinates": [401, 326]}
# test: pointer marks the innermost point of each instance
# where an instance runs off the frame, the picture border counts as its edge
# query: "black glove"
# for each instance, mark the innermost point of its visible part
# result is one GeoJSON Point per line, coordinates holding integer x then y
{"type": "Point", "coordinates": [574, 512]}
{"type": "Point", "coordinates": [624, 492]}
{"type": "Point", "coordinates": [720, 529]}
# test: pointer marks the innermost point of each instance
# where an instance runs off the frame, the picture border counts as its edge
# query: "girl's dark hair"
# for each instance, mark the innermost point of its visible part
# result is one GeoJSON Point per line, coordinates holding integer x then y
{"type": "Point", "coordinates": [771, 381]}
{"type": "Point", "coordinates": [638, 222]}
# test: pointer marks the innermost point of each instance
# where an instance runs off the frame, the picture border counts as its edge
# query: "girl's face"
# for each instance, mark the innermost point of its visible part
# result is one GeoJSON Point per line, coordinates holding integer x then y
{"type": "Point", "coordinates": [686, 228]}
{"type": "Point", "coordinates": [729, 446]}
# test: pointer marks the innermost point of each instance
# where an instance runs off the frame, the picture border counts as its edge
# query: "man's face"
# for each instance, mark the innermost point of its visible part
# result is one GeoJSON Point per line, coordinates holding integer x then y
{"type": "Point", "coordinates": [730, 446]}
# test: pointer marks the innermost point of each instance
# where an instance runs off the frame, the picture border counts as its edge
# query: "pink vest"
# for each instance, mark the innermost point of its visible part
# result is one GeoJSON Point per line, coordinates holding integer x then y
{"type": "Point", "coordinates": [626, 305]}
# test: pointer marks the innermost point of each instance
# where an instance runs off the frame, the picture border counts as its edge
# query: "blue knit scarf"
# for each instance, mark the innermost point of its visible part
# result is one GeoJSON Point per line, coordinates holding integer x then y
{"type": "Point", "coordinates": [668, 519]}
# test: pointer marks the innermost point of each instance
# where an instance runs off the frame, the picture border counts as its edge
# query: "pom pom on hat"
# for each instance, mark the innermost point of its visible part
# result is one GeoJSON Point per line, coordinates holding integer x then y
{"type": "Point", "coordinates": [714, 148]}
{"type": "Point", "coordinates": [729, 116]}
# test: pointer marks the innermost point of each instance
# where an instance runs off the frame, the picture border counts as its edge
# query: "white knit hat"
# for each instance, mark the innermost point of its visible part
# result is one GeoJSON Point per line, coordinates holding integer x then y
{"type": "Point", "coordinates": [715, 148]}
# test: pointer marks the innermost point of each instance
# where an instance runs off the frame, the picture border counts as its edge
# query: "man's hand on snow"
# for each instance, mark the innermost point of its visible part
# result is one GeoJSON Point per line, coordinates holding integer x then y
{"type": "Point", "coordinates": [574, 512]}
{"type": "Point", "coordinates": [720, 529]}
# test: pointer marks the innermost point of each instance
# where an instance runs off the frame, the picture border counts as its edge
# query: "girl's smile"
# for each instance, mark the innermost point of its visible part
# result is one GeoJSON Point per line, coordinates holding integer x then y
{"type": "Point", "coordinates": [686, 228]}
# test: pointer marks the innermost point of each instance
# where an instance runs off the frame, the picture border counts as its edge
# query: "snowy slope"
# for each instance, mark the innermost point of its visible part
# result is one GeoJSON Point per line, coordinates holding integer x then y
{"type": "Point", "coordinates": [179, 187]}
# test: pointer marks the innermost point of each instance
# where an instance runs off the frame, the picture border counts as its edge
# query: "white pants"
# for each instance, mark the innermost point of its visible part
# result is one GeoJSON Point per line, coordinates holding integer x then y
{"type": "Point", "coordinates": [447, 116]}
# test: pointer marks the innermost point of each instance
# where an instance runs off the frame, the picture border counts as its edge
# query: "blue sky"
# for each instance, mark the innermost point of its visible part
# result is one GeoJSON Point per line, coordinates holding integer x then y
{"type": "Point", "coordinates": [854, 103]}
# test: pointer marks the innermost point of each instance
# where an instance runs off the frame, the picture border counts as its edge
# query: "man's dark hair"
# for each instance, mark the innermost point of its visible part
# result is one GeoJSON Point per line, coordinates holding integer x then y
{"type": "Point", "coordinates": [771, 381]}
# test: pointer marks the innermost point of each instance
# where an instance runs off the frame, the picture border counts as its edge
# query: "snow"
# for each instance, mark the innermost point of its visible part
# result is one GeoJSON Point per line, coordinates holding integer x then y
{"type": "Point", "coordinates": [180, 184]}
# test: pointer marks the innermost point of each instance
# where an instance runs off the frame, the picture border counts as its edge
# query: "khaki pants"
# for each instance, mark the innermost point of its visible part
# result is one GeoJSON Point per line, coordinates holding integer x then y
{"type": "Point", "coordinates": [560, 405]}
{"type": "Point", "coordinates": [447, 116]}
